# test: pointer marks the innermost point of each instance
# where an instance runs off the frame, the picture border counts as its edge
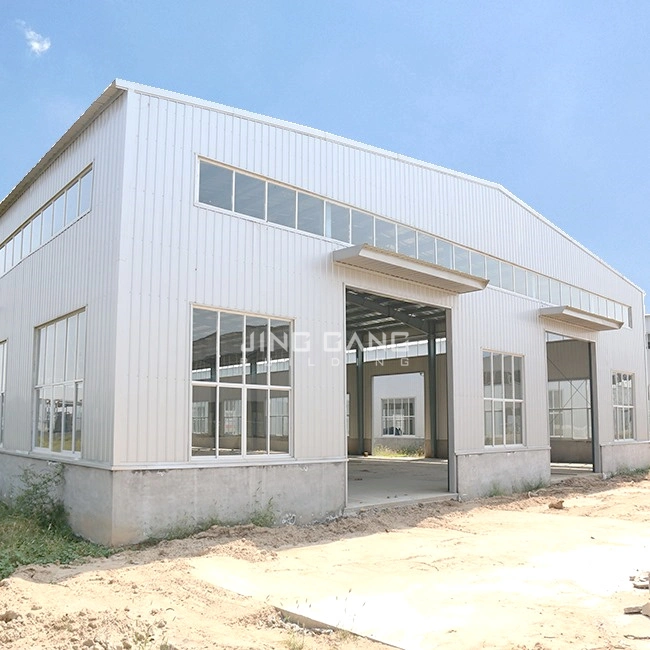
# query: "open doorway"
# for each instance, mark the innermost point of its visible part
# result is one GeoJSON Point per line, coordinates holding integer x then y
{"type": "Point", "coordinates": [396, 415]}
{"type": "Point", "coordinates": [570, 404]}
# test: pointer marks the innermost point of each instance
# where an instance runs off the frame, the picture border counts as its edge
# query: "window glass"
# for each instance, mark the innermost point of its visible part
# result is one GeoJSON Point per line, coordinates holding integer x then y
{"type": "Point", "coordinates": [27, 239]}
{"type": "Point", "coordinates": [230, 348]}
{"type": "Point", "coordinates": [256, 421]}
{"type": "Point", "coordinates": [507, 377]}
{"type": "Point", "coordinates": [204, 409]}
{"type": "Point", "coordinates": [477, 264]}
{"type": "Point", "coordinates": [337, 222]}
{"type": "Point", "coordinates": [426, 248]}
{"type": "Point", "coordinates": [443, 253]}
{"type": "Point", "coordinates": [488, 423]}
{"type": "Point", "coordinates": [585, 300]}
{"type": "Point", "coordinates": [256, 350]}
{"type": "Point", "coordinates": [67, 413]}
{"type": "Point", "coordinates": [9, 254]}
{"type": "Point", "coordinates": [78, 415]}
{"type": "Point", "coordinates": [493, 272]}
{"type": "Point", "coordinates": [59, 351]}
{"type": "Point", "coordinates": [520, 281]}
{"type": "Point", "coordinates": [531, 284]}
{"type": "Point", "coordinates": [2, 259]}
{"type": "Point", "coordinates": [497, 374]}
{"type": "Point", "coordinates": [279, 422]}
{"type": "Point", "coordinates": [281, 205]}
{"type": "Point", "coordinates": [461, 259]}
{"type": "Point", "coordinates": [565, 294]}
{"type": "Point", "coordinates": [544, 289]}
{"type": "Point", "coordinates": [36, 231]}
{"type": "Point", "coordinates": [72, 203]}
{"type": "Point", "coordinates": [59, 214]}
{"type": "Point", "coordinates": [230, 421]}
{"type": "Point", "coordinates": [362, 228]}
{"type": "Point", "coordinates": [204, 345]}
{"type": "Point", "coordinates": [18, 247]}
{"type": "Point", "coordinates": [47, 223]}
{"type": "Point", "coordinates": [487, 374]}
{"type": "Point", "coordinates": [574, 297]}
{"type": "Point", "coordinates": [556, 298]}
{"type": "Point", "coordinates": [280, 348]}
{"type": "Point", "coordinates": [310, 214]}
{"type": "Point", "coordinates": [85, 192]}
{"type": "Point", "coordinates": [507, 276]}
{"type": "Point", "coordinates": [71, 351]}
{"type": "Point", "coordinates": [249, 195]}
{"type": "Point", "coordinates": [406, 244]}
{"type": "Point", "coordinates": [385, 234]}
{"type": "Point", "coordinates": [517, 377]}
{"type": "Point", "coordinates": [215, 185]}
{"type": "Point", "coordinates": [81, 344]}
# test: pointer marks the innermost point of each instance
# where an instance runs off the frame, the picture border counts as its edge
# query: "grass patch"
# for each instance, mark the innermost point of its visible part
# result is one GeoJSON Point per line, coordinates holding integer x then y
{"type": "Point", "coordinates": [410, 451]}
{"type": "Point", "coordinates": [637, 472]}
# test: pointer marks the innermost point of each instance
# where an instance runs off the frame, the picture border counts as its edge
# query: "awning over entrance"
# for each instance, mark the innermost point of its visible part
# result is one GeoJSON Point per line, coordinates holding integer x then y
{"type": "Point", "coordinates": [579, 318]}
{"type": "Point", "coordinates": [379, 260]}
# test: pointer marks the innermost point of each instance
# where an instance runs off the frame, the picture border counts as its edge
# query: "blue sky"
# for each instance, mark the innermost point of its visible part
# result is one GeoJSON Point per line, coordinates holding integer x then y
{"type": "Point", "coordinates": [550, 99]}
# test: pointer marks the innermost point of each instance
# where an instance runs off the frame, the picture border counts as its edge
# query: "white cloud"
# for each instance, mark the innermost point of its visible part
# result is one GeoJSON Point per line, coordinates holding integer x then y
{"type": "Point", "coordinates": [37, 44]}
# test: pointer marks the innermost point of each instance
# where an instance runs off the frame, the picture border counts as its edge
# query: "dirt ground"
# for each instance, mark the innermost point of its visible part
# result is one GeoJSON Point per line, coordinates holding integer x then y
{"type": "Point", "coordinates": [511, 573]}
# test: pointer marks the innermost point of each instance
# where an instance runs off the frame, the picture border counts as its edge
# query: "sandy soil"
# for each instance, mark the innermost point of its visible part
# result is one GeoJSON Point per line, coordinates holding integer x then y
{"type": "Point", "coordinates": [524, 575]}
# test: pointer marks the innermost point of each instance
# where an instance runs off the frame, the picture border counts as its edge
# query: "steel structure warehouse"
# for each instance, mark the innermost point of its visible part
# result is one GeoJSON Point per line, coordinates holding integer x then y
{"type": "Point", "coordinates": [162, 232]}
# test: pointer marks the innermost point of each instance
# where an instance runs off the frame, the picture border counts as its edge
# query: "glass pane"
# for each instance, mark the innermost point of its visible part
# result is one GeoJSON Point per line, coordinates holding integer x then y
{"type": "Point", "coordinates": [49, 332]}
{"type": "Point", "coordinates": [18, 247]}
{"type": "Point", "coordinates": [249, 195]}
{"type": "Point", "coordinates": [78, 415]}
{"type": "Point", "coordinates": [477, 264]}
{"type": "Point", "coordinates": [256, 348]}
{"type": "Point", "coordinates": [337, 222]}
{"type": "Point", "coordinates": [520, 281]}
{"type": "Point", "coordinates": [585, 300]}
{"type": "Point", "coordinates": [507, 276]}
{"type": "Point", "coordinates": [406, 241]}
{"type": "Point", "coordinates": [204, 345]}
{"type": "Point", "coordinates": [426, 248]}
{"type": "Point", "coordinates": [281, 205]}
{"type": "Point", "coordinates": [280, 346]}
{"type": "Point", "coordinates": [488, 424]}
{"type": "Point", "coordinates": [71, 349]}
{"type": "Point", "coordinates": [519, 424]}
{"type": "Point", "coordinates": [574, 297]}
{"type": "Point", "coordinates": [565, 294]}
{"type": "Point", "coordinates": [72, 203]}
{"type": "Point", "coordinates": [204, 421]}
{"type": "Point", "coordinates": [85, 193]}
{"type": "Point", "coordinates": [215, 185]}
{"type": "Point", "coordinates": [47, 224]}
{"type": "Point", "coordinates": [2, 260]}
{"type": "Point", "coordinates": [57, 414]}
{"type": "Point", "coordinates": [555, 296]}
{"type": "Point", "coordinates": [256, 421]}
{"type": "Point", "coordinates": [544, 289]}
{"type": "Point", "coordinates": [66, 416]}
{"type": "Point", "coordinates": [43, 410]}
{"type": "Point", "coordinates": [510, 423]}
{"type": "Point", "coordinates": [498, 423]}
{"type": "Point", "coordinates": [580, 424]}
{"type": "Point", "coordinates": [517, 364]}
{"type": "Point", "coordinates": [36, 231]}
{"type": "Point", "coordinates": [27, 239]}
{"type": "Point", "coordinates": [59, 214]}
{"type": "Point", "coordinates": [279, 422]}
{"type": "Point", "coordinates": [231, 339]}
{"type": "Point", "coordinates": [9, 254]}
{"type": "Point", "coordinates": [497, 373]}
{"type": "Point", "coordinates": [461, 259]}
{"type": "Point", "coordinates": [310, 214]}
{"type": "Point", "coordinates": [531, 284]}
{"type": "Point", "coordinates": [443, 253]}
{"type": "Point", "coordinates": [487, 374]}
{"type": "Point", "coordinates": [81, 344]}
{"type": "Point", "coordinates": [493, 272]}
{"type": "Point", "coordinates": [507, 376]}
{"type": "Point", "coordinates": [362, 228]}
{"type": "Point", "coordinates": [230, 421]}
{"type": "Point", "coordinates": [59, 351]}
{"type": "Point", "coordinates": [385, 234]}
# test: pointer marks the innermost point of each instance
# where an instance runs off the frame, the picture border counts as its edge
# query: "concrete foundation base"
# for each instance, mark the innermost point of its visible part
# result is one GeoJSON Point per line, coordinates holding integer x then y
{"type": "Point", "coordinates": [126, 506]}
{"type": "Point", "coordinates": [623, 456]}
{"type": "Point", "coordinates": [485, 474]}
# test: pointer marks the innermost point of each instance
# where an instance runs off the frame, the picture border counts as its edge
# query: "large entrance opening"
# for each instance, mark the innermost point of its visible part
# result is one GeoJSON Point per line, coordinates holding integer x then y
{"type": "Point", "coordinates": [396, 401]}
{"type": "Point", "coordinates": [570, 404]}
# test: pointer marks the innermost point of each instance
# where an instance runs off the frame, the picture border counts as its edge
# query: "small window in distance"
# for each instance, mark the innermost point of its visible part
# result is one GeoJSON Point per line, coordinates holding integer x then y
{"type": "Point", "coordinates": [477, 264]}
{"type": "Point", "coordinates": [565, 294]}
{"type": "Point", "coordinates": [27, 239]}
{"type": "Point", "coordinates": [36, 231]}
{"type": "Point", "coordinates": [520, 281]}
{"type": "Point", "coordinates": [72, 203]}
{"type": "Point", "coordinates": [2, 259]}
{"type": "Point", "coordinates": [59, 214]}
{"type": "Point", "coordinates": [575, 297]}
{"type": "Point", "coordinates": [18, 246]}
{"type": "Point", "coordinates": [556, 298]}
{"type": "Point", "coordinates": [281, 205]}
{"type": "Point", "coordinates": [406, 243]}
{"type": "Point", "coordinates": [249, 196]}
{"type": "Point", "coordinates": [443, 253]}
{"type": "Point", "coordinates": [385, 235]}
{"type": "Point", "coordinates": [47, 224]}
{"type": "Point", "coordinates": [544, 288]}
{"type": "Point", "coordinates": [584, 300]}
{"type": "Point", "coordinates": [426, 248]}
{"type": "Point", "coordinates": [461, 259]}
{"type": "Point", "coordinates": [602, 306]}
{"type": "Point", "coordinates": [337, 222]}
{"type": "Point", "coordinates": [507, 276]}
{"type": "Point", "coordinates": [363, 231]}
{"type": "Point", "coordinates": [310, 214]}
{"type": "Point", "coordinates": [215, 185]}
{"type": "Point", "coordinates": [531, 284]}
{"type": "Point", "coordinates": [85, 192]}
{"type": "Point", "coordinates": [493, 272]}
{"type": "Point", "coordinates": [9, 255]}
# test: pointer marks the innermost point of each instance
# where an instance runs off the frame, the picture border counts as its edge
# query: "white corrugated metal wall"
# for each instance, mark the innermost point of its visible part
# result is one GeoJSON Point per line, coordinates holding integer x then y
{"type": "Point", "coordinates": [76, 269]}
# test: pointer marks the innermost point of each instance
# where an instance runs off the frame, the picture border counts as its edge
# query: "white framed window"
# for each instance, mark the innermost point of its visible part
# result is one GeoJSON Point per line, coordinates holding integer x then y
{"type": "Point", "coordinates": [3, 380]}
{"type": "Point", "coordinates": [398, 416]}
{"type": "Point", "coordinates": [503, 399]}
{"type": "Point", "coordinates": [623, 402]}
{"type": "Point", "coordinates": [569, 409]}
{"type": "Point", "coordinates": [241, 384]}
{"type": "Point", "coordinates": [59, 390]}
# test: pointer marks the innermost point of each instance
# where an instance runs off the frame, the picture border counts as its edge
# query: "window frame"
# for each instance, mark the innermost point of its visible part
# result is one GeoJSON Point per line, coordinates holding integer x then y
{"type": "Point", "coordinates": [621, 409]}
{"type": "Point", "coordinates": [410, 417]}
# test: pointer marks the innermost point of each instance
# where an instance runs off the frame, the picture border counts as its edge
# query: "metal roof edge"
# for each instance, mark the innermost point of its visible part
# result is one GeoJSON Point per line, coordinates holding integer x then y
{"type": "Point", "coordinates": [108, 96]}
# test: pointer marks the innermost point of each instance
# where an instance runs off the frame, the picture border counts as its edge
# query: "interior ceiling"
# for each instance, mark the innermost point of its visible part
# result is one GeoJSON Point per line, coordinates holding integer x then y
{"type": "Point", "coordinates": [369, 315]}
